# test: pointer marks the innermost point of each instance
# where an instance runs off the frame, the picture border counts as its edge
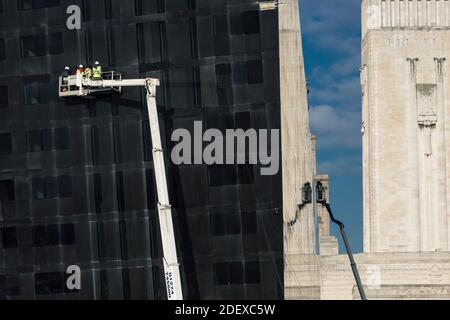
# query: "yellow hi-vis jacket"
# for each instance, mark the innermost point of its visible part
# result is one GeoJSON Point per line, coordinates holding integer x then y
{"type": "Point", "coordinates": [97, 72]}
{"type": "Point", "coordinates": [88, 73]}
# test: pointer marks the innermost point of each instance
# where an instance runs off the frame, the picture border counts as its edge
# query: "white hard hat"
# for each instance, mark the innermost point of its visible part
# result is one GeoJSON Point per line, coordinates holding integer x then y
{"type": "Point", "coordinates": [97, 63]}
{"type": "Point", "coordinates": [66, 68]}
{"type": "Point", "coordinates": [80, 66]}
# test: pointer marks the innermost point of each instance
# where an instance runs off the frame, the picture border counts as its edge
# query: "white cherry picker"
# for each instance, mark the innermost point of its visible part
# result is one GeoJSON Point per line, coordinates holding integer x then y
{"type": "Point", "coordinates": [112, 82]}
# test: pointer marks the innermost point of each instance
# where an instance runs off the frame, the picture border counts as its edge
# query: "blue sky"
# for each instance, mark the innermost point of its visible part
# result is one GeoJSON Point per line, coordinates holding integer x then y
{"type": "Point", "coordinates": [331, 40]}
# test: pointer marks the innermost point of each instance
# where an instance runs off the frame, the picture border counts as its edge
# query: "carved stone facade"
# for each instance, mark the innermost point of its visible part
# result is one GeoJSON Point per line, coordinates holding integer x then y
{"type": "Point", "coordinates": [301, 263]}
{"type": "Point", "coordinates": [406, 114]}
{"type": "Point", "coordinates": [406, 159]}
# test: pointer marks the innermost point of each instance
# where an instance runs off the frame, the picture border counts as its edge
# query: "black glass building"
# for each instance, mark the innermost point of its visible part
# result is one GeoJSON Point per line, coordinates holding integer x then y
{"type": "Point", "coordinates": [76, 175]}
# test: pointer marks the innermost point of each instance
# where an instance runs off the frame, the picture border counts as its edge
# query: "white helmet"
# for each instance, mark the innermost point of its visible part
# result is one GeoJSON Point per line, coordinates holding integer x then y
{"type": "Point", "coordinates": [80, 66]}
{"type": "Point", "coordinates": [97, 63]}
{"type": "Point", "coordinates": [66, 68]}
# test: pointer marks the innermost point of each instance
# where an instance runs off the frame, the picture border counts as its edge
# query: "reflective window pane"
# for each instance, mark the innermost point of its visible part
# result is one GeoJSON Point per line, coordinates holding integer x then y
{"type": "Point", "coordinates": [5, 144]}
{"type": "Point", "coordinates": [4, 97]}
{"type": "Point", "coordinates": [7, 193]}
{"type": "Point", "coordinates": [9, 237]}
{"type": "Point", "coordinates": [2, 49]}
{"type": "Point", "coordinates": [61, 138]}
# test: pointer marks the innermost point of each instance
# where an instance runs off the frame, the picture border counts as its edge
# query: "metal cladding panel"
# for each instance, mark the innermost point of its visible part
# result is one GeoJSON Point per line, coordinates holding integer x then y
{"type": "Point", "coordinates": [82, 171]}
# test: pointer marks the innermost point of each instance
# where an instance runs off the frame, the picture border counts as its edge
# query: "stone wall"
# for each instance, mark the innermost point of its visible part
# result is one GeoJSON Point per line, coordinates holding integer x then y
{"type": "Point", "coordinates": [406, 118]}
{"type": "Point", "coordinates": [298, 159]}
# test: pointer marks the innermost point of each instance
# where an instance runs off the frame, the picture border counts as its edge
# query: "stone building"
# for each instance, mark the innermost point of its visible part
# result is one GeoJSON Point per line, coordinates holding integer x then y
{"type": "Point", "coordinates": [406, 156]}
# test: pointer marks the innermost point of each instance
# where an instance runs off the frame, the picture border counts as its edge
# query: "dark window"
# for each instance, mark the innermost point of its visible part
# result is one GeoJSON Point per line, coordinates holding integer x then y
{"type": "Point", "coordinates": [252, 273]}
{"type": "Point", "coordinates": [64, 187]}
{"type": "Point", "coordinates": [249, 223]}
{"type": "Point", "coordinates": [86, 10]}
{"type": "Point", "coordinates": [225, 224]}
{"type": "Point", "coordinates": [7, 193]}
{"type": "Point", "coordinates": [43, 140]}
{"type": "Point", "coordinates": [251, 22]}
{"type": "Point", "coordinates": [52, 234]}
{"type": "Point", "coordinates": [193, 37]}
{"type": "Point", "coordinates": [224, 84]}
{"type": "Point", "coordinates": [197, 87]}
{"type": "Point", "coordinates": [9, 237]}
{"type": "Point", "coordinates": [34, 46]}
{"type": "Point", "coordinates": [67, 234]}
{"type": "Point", "coordinates": [236, 23]}
{"type": "Point", "coordinates": [243, 120]}
{"type": "Point", "coordinates": [88, 46]}
{"type": "Point", "coordinates": [55, 44]}
{"type": "Point", "coordinates": [126, 284]}
{"type": "Point", "coordinates": [50, 283]}
{"type": "Point", "coordinates": [25, 4]}
{"type": "Point", "coordinates": [245, 22]}
{"type": "Point", "coordinates": [46, 236]}
{"type": "Point", "coordinates": [108, 9]}
{"type": "Point", "coordinates": [9, 286]}
{"type": "Point", "coordinates": [5, 144]}
{"type": "Point", "coordinates": [151, 38]}
{"type": "Point", "coordinates": [32, 93]}
{"type": "Point", "coordinates": [255, 72]}
{"type": "Point", "coordinates": [139, 7]}
{"type": "Point", "coordinates": [220, 25]}
{"type": "Point", "coordinates": [159, 291]}
{"type": "Point", "coordinates": [98, 194]}
{"type": "Point", "coordinates": [95, 144]}
{"type": "Point", "coordinates": [246, 175]}
{"type": "Point", "coordinates": [143, 7]}
{"type": "Point", "coordinates": [104, 289]}
{"type": "Point", "coordinates": [47, 140]}
{"type": "Point", "coordinates": [34, 140]}
{"type": "Point", "coordinates": [101, 246]}
{"type": "Point", "coordinates": [3, 291]}
{"type": "Point", "coordinates": [222, 175]}
{"type": "Point", "coordinates": [3, 95]}
{"type": "Point", "coordinates": [2, 49]}
{"type": "Point", "coordinates": [37, 4]}
{"type": "Point", "coordinates": [192, 5]}
{"type": "Point", "coordinates": [236, 273]}
{"type": "Point", "coordinates": [44, 188]}
{"type": "Point", "coordinates": [221, 274]}
{"type": "Point", "coordinates": [219, 225]}
{"type": "Point", "coordinates": [61, 138]}
{"type": "Point", "coordinates": [120, 192]}
{"type": "Point", "coordinates": [147, 141]}
{"type": "Point", "coordinates": [117, 143]}
{"type": "Point", "coordinates": [123, 239]}
{"type": "Point", "coordinates": [234, 223]}
{"type": "Point", "coordinates": [150, 186]}
{"type": "Point", "coordinates": [223, 75]}
{"type": "Point", "coordinates": [38, 186]}
{"type": "Point", "coordinates": [111, 45]}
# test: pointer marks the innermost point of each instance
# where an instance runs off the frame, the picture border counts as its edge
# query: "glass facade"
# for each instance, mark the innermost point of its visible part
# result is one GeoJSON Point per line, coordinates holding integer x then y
{"type": "Point", "coordinates": [76, 176]}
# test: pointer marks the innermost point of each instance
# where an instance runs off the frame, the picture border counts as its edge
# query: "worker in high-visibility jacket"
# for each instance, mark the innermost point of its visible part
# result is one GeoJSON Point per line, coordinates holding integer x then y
{"type": "Point", "coordinates": [88, 73]}
{"type": "Point", "coordinates": [97, 71]}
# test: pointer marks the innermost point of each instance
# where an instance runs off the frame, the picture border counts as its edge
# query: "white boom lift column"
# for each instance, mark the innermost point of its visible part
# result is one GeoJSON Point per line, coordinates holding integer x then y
{"type": "Point", "coordinates": [115, 83]}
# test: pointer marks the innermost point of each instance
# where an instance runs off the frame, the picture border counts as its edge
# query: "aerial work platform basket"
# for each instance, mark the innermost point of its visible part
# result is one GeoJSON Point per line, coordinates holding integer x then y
{"type": "Point", "coordinates": [70, 86]}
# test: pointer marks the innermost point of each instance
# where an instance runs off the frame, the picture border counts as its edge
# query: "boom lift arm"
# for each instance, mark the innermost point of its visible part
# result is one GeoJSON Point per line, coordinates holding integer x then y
{"type": "Point", "coordinates": [171, 265]}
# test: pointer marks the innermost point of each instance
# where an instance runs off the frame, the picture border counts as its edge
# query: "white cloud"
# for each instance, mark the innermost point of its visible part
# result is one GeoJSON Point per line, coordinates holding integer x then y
{"type": "Point", "coordinates": [346, 165]}
{"type": "Point", "coordinates": [331, 28]}
{"type": "Point", "coordinates": [335, 128]}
